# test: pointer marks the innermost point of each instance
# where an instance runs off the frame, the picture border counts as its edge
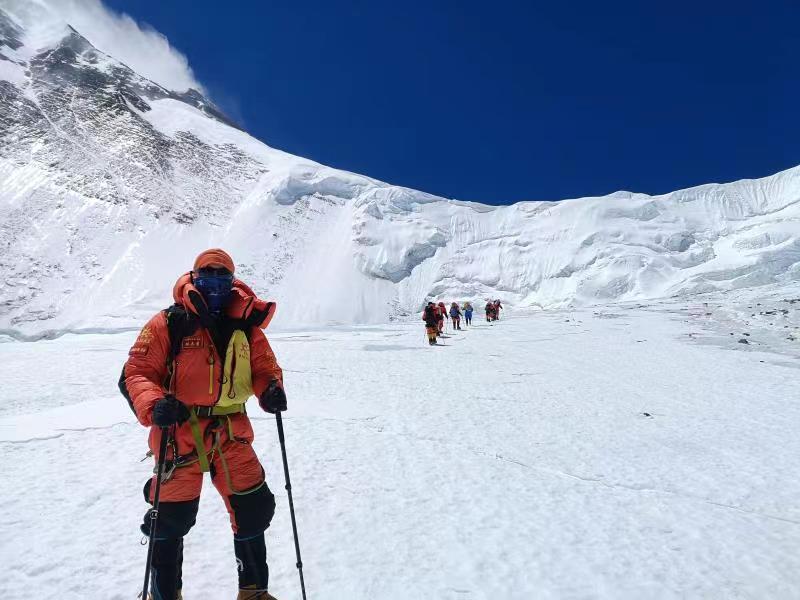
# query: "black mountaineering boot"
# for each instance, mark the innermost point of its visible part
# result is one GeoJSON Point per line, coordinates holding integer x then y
{"type": "Point", "coordinates": [251, 558]}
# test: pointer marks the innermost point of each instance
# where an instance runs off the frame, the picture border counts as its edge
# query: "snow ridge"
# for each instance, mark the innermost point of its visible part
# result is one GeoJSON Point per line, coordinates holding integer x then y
{"type": "Point", "coordinates": [110, 184]}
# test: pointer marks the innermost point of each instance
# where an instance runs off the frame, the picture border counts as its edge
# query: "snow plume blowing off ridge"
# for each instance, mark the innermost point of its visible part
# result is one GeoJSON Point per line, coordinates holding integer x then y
{"type": "Point", "coordinates": [139, 46]}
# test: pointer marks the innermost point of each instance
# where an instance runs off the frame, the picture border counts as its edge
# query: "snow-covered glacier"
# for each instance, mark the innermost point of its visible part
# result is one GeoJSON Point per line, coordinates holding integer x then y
{"type": "Point", "coordinates": [110, 184]}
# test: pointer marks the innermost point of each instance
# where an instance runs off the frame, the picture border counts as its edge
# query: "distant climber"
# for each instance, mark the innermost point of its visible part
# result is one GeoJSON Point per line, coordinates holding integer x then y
{"type": "Point", "coordinates": [468, 313]}
{"type": "Point", "coordinates": [491, 313]}
{"type": "Point", "coordinates": [442, 314]}
{"type": "Point", "coordinates": [497, 308]}
{"type": "Point", "coordinates": [431, 317]}
{"type": "Point", "coordinates": [455, 315]}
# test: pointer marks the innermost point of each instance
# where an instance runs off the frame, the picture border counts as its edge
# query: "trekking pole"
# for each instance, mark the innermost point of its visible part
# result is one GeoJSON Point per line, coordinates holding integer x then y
{"type": "Point", "coordinates": [162, 455]}
{"type": "Point", "coordinates": [279, 421]}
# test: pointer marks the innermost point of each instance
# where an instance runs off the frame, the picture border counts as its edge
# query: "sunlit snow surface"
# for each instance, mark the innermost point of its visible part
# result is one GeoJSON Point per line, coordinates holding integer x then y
{"type": "Point", "coordinates": [515, 462]}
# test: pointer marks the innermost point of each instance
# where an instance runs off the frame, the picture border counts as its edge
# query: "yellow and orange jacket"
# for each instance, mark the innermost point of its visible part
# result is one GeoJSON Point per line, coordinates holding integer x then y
{"type": "Point", "coordinates": [200, 375]}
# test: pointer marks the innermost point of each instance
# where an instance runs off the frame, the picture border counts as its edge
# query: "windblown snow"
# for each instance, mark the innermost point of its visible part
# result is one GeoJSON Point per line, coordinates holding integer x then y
{"type": "Point", "coordinates": [111, 184]}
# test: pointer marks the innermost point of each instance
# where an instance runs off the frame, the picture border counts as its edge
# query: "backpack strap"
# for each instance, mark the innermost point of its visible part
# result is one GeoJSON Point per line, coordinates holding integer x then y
{"type": "Point", "coordinates": [180, 324]}
{"type": "Point", "coordinates": [254, 319]}
{"type": "Point", "coordinates": [256, 316]}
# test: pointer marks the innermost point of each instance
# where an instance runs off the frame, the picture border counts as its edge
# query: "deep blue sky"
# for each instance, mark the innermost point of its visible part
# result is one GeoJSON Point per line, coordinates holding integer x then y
{"type": "Point", "coordinates": [500, 101]}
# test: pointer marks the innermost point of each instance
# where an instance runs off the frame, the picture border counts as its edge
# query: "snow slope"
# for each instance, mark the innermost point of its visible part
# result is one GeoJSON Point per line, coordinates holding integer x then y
{"type": "Point", "coordinates": [515, 462]}
{"type": "Point", "coordinates": [110, 185]}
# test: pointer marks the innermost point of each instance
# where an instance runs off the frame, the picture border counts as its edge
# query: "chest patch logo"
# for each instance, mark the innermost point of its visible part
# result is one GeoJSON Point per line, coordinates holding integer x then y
{"type": "Point", "coordinates": [192, 342]}
{"type": "Point", "coordinates": [145, 337]}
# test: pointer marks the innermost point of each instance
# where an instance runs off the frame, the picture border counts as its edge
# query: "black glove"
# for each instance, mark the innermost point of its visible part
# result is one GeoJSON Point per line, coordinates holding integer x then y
{"type": "Point", "coordinates": [169, 411]}
{"type": "Point", "coordinates": [273, 400]}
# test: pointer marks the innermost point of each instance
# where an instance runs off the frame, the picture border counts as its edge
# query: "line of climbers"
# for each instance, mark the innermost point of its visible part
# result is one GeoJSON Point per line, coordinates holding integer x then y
{"type": "Point", "coordinates": [435, 315]}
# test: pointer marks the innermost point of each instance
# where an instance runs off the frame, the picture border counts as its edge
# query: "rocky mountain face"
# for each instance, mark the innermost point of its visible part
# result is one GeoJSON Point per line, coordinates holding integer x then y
{"type": "Point", "coordinates": [110, 184]}
{"type": "Point", "coordinates": [71, 140]}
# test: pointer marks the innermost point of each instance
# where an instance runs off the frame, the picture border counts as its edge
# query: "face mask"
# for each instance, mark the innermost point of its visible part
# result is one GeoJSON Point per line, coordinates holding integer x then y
{"type": "Point", "coordinates": [215, 286]}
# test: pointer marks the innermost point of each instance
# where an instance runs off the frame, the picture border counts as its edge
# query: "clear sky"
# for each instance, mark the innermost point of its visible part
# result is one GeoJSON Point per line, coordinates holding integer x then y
{"type": "Point", "coordinates": [500, 101]}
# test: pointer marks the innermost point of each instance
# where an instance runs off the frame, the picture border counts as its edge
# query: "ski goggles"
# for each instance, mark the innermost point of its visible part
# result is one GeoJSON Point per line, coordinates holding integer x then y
{"type": "Point", "coordinates": [213, 272]}
{"type": "Point", "coordinates": [213, 281]}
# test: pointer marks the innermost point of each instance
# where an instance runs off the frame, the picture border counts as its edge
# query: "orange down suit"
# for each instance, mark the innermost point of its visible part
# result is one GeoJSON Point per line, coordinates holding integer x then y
{"type": "Point", "coordinates": [201, 377]}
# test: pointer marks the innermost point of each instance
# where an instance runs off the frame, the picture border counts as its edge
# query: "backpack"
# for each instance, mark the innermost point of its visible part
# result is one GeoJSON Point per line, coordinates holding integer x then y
{"type": "Point", "coordinates": [430, 314]}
